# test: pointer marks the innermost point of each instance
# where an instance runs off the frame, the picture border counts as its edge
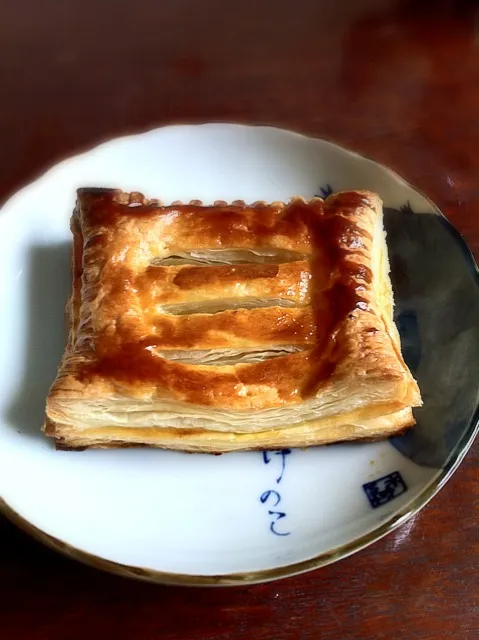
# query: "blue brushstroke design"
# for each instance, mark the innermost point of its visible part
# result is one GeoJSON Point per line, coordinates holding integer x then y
{"type": "Point", "coordinates": [272, 497]}
{"type": "Point", "coordinates": [324, 191]}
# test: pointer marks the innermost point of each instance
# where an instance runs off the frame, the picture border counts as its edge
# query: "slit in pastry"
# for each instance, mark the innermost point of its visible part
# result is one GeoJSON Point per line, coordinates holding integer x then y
{"type": "Point", "coordinates": [218, 306]}
{"type": "Point", "coordinates": [223, 357]}
{"type": "Point", "coordinates": [229, 256]}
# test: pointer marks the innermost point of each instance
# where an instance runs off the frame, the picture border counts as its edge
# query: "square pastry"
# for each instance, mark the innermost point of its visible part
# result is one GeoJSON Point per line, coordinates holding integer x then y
{"type": "Point", "coordinates": [229, 327]}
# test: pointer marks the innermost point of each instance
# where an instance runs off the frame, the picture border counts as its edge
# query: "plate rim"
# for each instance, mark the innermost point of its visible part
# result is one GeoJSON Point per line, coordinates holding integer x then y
{"type": "Point", "coordinates": [333, 555]}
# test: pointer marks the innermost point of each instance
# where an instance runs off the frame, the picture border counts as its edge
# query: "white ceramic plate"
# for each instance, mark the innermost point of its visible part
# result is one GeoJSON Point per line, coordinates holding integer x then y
{"type": "Point", "coordinates": [173, 517]}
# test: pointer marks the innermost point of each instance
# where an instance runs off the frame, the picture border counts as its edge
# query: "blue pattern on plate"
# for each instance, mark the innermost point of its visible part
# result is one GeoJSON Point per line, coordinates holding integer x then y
{"type": "Point", "coordinates": [406, 208]}
{"type": "Point", "coordinates": [436, 287]}
{"type": "Point", "coordinates": [325, 191]}
{"type": "Point", "coordinates": [384, 489]}
{"type": "Point", "coordinates": [272, 497]}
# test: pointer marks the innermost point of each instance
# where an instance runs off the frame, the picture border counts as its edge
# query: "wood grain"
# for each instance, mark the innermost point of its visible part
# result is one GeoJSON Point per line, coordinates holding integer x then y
{"type": "Point", "coordinates": [398, 81]}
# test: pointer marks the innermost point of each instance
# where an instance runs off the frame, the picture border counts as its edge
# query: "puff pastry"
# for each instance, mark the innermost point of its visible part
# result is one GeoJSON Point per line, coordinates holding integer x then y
{"type": "Point", "coordinates": [229, 327]}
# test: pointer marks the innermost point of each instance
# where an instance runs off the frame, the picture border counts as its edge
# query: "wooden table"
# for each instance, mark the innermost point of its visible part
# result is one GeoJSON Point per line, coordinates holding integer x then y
{"type": "Point", "coordinates": [398, 81]}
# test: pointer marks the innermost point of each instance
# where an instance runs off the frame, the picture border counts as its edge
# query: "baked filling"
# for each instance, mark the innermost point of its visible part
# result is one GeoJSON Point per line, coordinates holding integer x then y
{"type": "Point", "coordinates": [229, 327]}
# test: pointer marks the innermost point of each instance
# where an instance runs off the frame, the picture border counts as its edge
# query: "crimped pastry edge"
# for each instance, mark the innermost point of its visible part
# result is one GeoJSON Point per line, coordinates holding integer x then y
{"type": "Point", "coordinates": [131, 198]}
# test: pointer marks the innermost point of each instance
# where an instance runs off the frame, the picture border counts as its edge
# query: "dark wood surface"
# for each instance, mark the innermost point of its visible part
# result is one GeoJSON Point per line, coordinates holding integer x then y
{"type": "Point", "coordinates": [398, 81]}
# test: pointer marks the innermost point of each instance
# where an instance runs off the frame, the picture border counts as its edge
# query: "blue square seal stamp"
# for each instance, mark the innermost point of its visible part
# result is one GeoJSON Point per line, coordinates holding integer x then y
{"type": "Point", "coordinates": [385, 489]}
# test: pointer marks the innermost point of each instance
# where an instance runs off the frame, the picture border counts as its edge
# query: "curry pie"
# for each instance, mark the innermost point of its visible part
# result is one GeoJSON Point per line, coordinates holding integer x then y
{"type": "Point", "coordinates": [229, 327]}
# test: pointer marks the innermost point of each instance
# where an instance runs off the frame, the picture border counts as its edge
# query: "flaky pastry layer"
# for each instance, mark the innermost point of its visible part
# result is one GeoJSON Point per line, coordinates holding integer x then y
{"type": "Point", "coordinates": [305, 434]}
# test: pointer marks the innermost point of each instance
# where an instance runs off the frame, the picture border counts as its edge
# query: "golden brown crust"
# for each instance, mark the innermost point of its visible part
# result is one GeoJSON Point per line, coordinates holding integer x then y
{"type": "Point", "coordinates": [316, 287]}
